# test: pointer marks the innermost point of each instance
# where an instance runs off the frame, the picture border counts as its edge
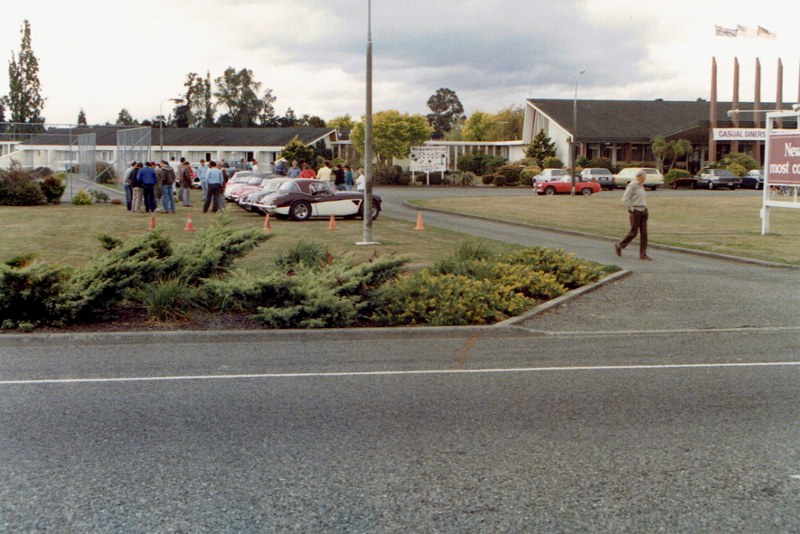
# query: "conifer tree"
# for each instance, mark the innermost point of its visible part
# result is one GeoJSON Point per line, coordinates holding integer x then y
{"type": "Point", "coordinates": [25, 102]}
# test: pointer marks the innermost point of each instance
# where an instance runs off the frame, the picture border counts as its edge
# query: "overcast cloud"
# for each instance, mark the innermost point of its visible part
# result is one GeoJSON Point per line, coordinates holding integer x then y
{"type": "Point", "coordinates": [103, 55]}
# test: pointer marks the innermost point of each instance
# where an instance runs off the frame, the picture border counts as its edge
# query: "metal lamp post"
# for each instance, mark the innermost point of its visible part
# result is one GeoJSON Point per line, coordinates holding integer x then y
{"type": "Point", "coordinates": [367, 211]}
{"type": "Point", "coordinates": [161, 121]}
{"type": "Point", "coordinates": [574, 150]}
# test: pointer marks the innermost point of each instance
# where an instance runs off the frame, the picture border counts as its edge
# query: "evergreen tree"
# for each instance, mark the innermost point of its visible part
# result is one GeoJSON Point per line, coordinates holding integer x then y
{"type": "Point", "coordinates": [125, 118]}
{"type": "Point", "coordinates": [24, 100]}
{"type": "Point", "coordinates": [82, 118]}
{"type": "Point", "coordinates": [541, 148]}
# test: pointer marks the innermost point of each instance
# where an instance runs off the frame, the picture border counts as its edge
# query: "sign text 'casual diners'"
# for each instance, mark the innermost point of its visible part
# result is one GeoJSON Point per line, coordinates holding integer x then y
{"type": "Point", "coordinates": [784, 159]}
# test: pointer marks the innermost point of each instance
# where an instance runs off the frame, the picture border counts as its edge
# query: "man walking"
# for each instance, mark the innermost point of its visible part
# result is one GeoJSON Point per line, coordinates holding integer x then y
{"type": "Point", "coordinates": [633, 200]}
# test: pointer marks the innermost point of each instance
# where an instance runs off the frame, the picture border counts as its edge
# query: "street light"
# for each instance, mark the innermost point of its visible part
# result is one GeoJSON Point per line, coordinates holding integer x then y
{"type": "Point", "coordinates": [367, 203]}
{"type": "Point", "coordinates": [161, 121]}
{"type": "Point", "coordinates": [574, 150]}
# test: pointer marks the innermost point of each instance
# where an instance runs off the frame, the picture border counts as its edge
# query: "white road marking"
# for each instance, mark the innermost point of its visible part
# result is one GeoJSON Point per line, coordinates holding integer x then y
{"type": "Point", "coordinates": [795, 476]}
{"type": "Point", "coordinates": [398, 373]}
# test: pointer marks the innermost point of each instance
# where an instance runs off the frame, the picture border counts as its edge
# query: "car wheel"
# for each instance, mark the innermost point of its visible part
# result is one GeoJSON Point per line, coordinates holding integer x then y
{"type": "Point", "coordinates": [586, 191]}
{"type": "Point", "coordinates": [300, 211]}
{"type": "Point", "coordinates": [376, 210]}
{"type": "Point", "coordinates": [732, 187]}
{"type": "Point", "coordinates": [550, 190]}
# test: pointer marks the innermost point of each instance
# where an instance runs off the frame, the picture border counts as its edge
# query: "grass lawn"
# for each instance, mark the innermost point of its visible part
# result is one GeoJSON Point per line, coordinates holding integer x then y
{"type": "Point", "coordinates": [67, 233]}
{"type": "Point", "coordinates": [718, 223]}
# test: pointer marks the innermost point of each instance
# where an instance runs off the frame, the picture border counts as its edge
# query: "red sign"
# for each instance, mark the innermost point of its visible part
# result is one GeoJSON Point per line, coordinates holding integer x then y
{"type": "Point", "coordinates": [784, 159]}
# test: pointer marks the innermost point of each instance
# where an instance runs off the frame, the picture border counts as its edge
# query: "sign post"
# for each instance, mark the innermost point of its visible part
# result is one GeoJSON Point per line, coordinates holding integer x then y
{"type": "Point", "coordinates": [428, 159]}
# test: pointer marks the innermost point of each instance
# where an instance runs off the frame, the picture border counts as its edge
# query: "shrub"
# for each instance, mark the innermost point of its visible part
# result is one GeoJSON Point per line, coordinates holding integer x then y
{"type": "Point", "coordinates": [446, 299]}
{"type": "Point", "coordinates": [602, 163]}
{"type": "Point", "coordinates": [552, 163]}
{"type": "Point", "coordinates": [570, 271]}
{"type": "Point", "coordinates": [105, 173]}
{"type": "Point", "coordinates": [745, 160]}
{"type": "Point", "coordinates": [30, 292]}
{"type": "Point", "coordinates": [166, 300]}
{"type": "Point", "coordinates": [99, 196]}
{"type": "Point", "coordinates": [676, 174]}
{"type": "Point", "coordinates": [511, 173]}
{"type": "Point", "coordinates": [53, 187]}
{"type": "Point", "coordinates": [19, 187]}
{"type": "Point", "coordinates": [737, 169]}
{"type": "Point", "coordinates": [488, 179]}
{"type": "Point", "coordinates": [479, 163]}
{"type": "Point", "coordinates": [303, 253]}
{"type": "Point", "coordinates": [461, 178]}
{"type": "Point", "coordinates": [387, 175]}
{"type": "Point", "coordinates": [82, 198]}
{"type": "Point", "coordinates": [499, 180]}
{"type": "Point", "coordinates": [581, 161]}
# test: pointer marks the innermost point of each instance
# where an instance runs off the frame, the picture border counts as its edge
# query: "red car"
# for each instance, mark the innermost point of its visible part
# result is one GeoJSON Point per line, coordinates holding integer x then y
{"type": "Point", "coordinates": [565, 187]}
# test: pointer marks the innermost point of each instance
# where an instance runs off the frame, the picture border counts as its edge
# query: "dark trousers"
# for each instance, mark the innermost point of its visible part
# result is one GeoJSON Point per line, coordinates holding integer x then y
{"type": "Point", "coordinates": [638, 225]}
{"type": "Point", "coordinates": [149, 192]}
{"type": "Point", "coordinates": [214, 194]}
{"type": "Point", "coordinates": [128, 196]}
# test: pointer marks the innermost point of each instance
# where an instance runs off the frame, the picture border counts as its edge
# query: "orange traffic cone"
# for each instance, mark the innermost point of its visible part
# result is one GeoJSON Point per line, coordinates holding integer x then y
{"type": "Point", "coordinates": [419, 226]}
{"type": "Point", "coordinates": [267, 227]}
{"type": "Point", "coordinates": [332, 224]}
{"type": "Point", "coordinates": [152, 223]}
{"type": "Point", "coordinates": [189, 225]}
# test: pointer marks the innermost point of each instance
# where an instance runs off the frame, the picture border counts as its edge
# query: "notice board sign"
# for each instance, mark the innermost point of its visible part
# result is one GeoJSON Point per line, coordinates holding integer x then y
{"type": "Point", "coordinates": [428, 159]}
{"type": "Point", "coordinates": [784, 159]}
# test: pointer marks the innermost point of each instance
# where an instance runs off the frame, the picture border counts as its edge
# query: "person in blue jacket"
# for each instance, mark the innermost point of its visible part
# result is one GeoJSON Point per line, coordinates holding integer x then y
{"type": "Point", "coordinates": [148, 178]}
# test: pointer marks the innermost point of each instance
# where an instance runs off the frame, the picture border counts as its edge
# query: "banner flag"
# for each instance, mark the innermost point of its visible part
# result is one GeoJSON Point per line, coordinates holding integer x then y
{"type": "Point", "coordinates": [725, 32]}
{"type": "Point", "coordinates": [743, 31]}
{"type": "Point", "coordinates": [765, 33]}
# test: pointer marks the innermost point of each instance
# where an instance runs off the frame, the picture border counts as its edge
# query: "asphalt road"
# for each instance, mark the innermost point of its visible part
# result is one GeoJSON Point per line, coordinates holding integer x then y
{"type": "Point", "coordinates": [665, 402]}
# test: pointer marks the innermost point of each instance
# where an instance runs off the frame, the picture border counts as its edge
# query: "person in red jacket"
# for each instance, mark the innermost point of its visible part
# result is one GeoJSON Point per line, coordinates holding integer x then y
{"type": "Point", "coordinates": [307, 172]}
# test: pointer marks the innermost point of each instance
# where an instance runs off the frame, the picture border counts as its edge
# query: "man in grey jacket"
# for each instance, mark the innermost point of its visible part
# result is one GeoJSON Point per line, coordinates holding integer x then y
{"type": "Point", "coordinates": [633, 200]}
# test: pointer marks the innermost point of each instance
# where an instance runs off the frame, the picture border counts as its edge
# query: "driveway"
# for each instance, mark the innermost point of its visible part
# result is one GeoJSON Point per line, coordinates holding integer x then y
{"type": "Point", "coordinates": [678, 290]}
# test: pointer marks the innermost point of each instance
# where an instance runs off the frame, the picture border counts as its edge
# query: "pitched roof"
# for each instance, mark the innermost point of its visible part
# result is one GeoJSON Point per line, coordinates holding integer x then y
{"type": "Point", "coordinates": [200, 137]}
{"type": "Point", "coordinates": [641, 120]}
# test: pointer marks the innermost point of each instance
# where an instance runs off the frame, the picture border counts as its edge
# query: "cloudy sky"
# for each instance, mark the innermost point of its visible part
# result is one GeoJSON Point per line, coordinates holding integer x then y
{"type": "Point", "coordinates": [105, 55]}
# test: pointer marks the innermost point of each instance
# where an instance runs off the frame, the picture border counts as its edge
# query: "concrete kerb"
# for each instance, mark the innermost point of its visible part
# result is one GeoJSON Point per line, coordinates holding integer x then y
{"type": "Point", "coordinates": [670, 248]}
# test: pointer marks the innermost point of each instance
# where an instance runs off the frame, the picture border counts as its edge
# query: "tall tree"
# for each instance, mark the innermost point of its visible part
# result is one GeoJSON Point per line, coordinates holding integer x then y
{"type": "Point", "coordinates": [508, 124]}
{"type": "Point", "coordinates": [447, 110]}
{"type": "Point", "coordinates": [344, 122]}
{"type": "Point", "coordinates": [289, 120]}
{"type": "Point", "coordinates": [238, 92]}
{"type": "Point", "coordinates": [2, 110]}
{"type": "Point", "coordinates": [478, 127]}
{"type": "Point", "coordinates": [267, 116]}
{"type": "Point", "coordinates": [312, 121]}
{"type": "Point", "coordinates": [82, 118]}
{"type": "Point", "coordinates": [24, 100]}
{"type": "Point", "coordinates": [125, 119]}
{"type": "Point", "coordinates": [393, 134]}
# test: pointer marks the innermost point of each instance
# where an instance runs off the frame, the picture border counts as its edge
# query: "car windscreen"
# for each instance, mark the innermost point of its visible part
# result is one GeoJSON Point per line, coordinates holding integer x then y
{"type": "Point", "coordinates": [289, 186]}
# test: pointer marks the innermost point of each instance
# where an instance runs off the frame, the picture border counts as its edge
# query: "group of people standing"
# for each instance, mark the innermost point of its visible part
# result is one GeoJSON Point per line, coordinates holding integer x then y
{"type": "Point", "coordinates": [340, 175]}
{"type": "Point", "coordinates": [146, 182]}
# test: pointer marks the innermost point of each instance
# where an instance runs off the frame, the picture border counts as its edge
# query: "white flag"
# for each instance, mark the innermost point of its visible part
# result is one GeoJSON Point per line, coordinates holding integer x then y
{"type": "Point", "coordinates": [763, 32]}
{"type": "Point", "coordinates": [744, 31]}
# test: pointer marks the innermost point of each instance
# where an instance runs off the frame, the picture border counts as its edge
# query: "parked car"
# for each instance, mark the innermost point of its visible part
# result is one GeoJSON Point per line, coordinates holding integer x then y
{"type": "Point", "coordinates": [255, 183]}
{"type": "Point", "coordinates": [252, 201]}
{"type": "Point", "coordinates": [550, 175]}
{"type": "Point", "coordinates": [717, 178]}
{"type": "Point", "coordinates": [752, 180]}
{"type": "Point", "coordinates": [303, 198]}
{"type": "Point", "coordinates": [599, 175]}
{"type": "Point", "coordinates": [565, 187]}
{"type": "Point", "coordinates": [652, 181]}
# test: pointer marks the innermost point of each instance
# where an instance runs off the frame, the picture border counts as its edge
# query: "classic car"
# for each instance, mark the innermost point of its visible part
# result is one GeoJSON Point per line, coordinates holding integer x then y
{"type": "Point", "coordinates": [717, 178]}
{"type": "Point", "coordinates": [565, 186]}
{"type": "Point", "coordinates": [303, 198]}
{"type": "Point", "coordinates": [653, 178]}
{"type": "Point", "coordinates": [255, 183]}
{"type": "Point", "coordinates": [600, 175]}
{"type": "Point", "coordinates": [252, 200]}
